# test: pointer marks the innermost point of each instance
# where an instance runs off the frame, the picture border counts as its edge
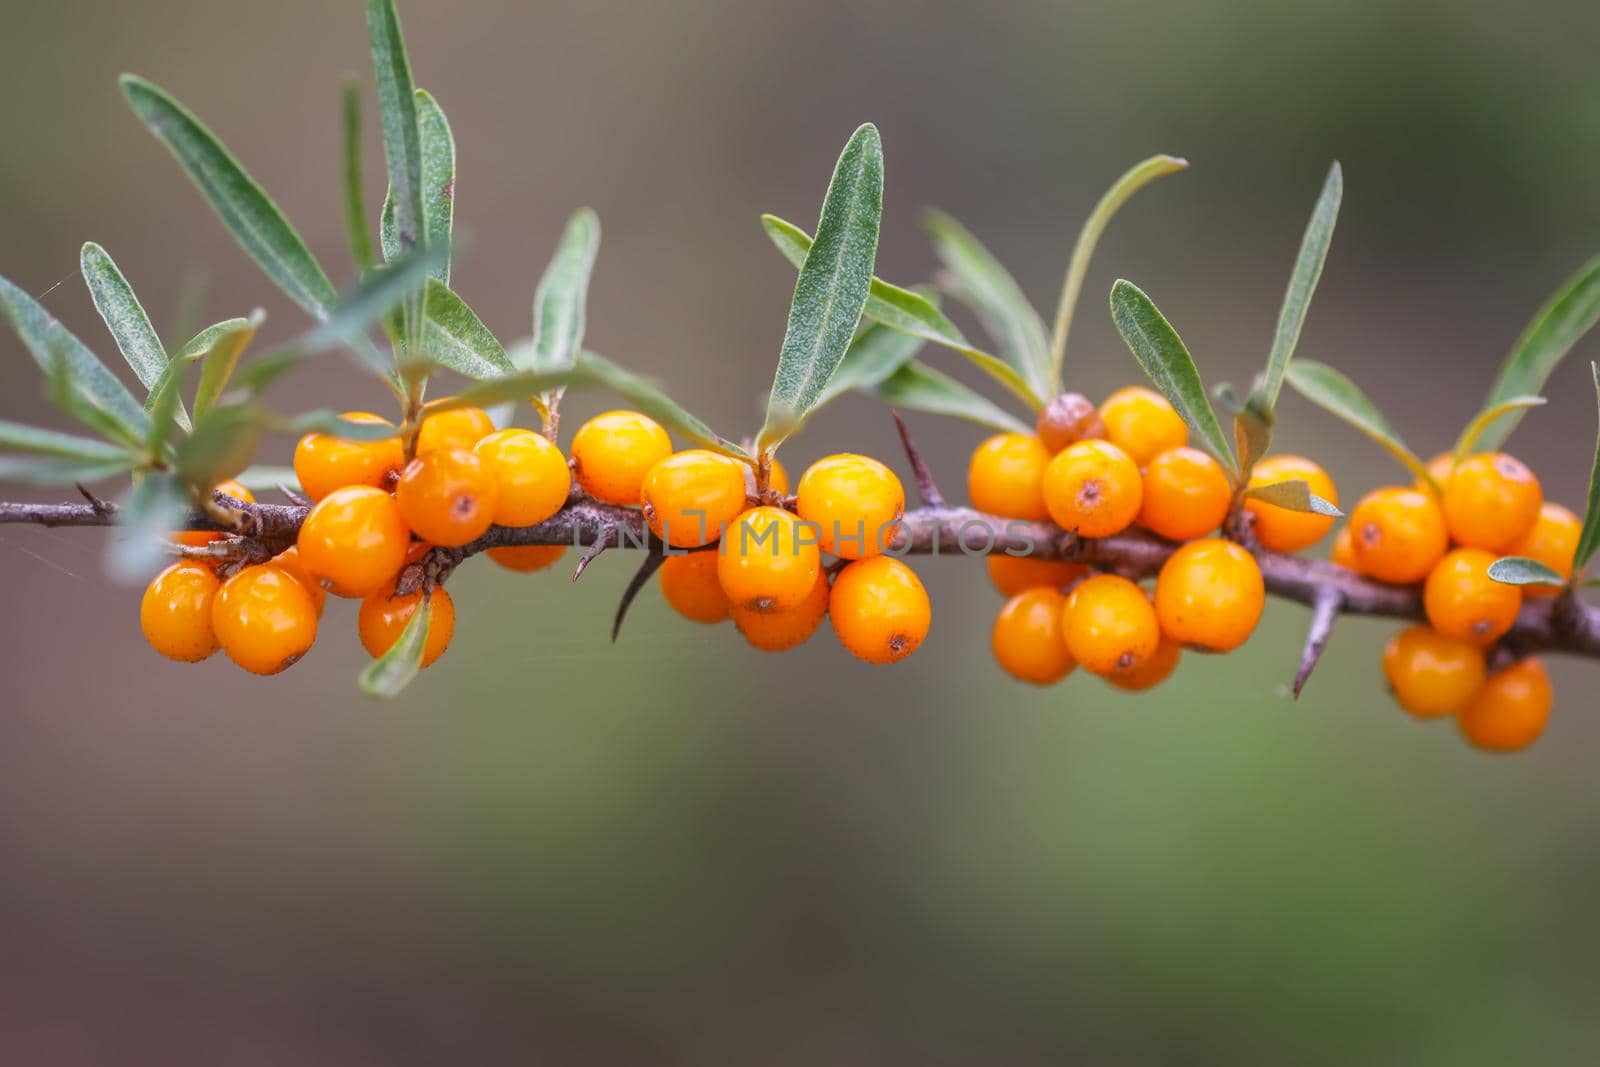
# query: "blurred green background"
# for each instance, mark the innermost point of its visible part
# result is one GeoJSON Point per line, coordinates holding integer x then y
{"type": "Point", "coordinates": [679, 850]}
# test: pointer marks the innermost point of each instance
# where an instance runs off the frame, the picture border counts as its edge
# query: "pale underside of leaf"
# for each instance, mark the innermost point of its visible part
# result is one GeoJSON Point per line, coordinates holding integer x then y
{"type": "Point", "coordinates": [1339, 396]}
{"type": "Point", "coordinates": [921, 388]}
{"type": "Point", "coordinates": [391, 672]}
{"type": "Point", "coordinates": [1303, 283]}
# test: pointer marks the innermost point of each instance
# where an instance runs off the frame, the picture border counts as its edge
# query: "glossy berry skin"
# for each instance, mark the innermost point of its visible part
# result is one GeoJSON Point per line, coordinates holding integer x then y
{"type": "Point", "coordinates": [175, 613]}
{"type": "Point", "coordinates": [1511, 711]}
{"type": "Point", "coordinates": [289, 560]}
{"type": "Point", "coordinates": [1343, 551]}
{"type": "Point", "coordinates": [691, 586]}
{"type": "Point", "coordinates": [1185, 495]}
{"type": "Point", "coordinates": [1552, 541]}
{"type": "Point", "coordinates": [324, 463]}
{"type": "Point", "coordinates": [611, 454]}
{"type": "Point", "coordinates": [1398, 534]}
{"type": "Point", "coordinates": [690, 497]}
{"type": "Point", "coordinates": [195, 538]}
{"type": "Point", "coordinates": [384, 615]}
{"type": "Point", "coordinates": [1280, 529]}
{"type": "Point", "coordinates": [880, 609]}
{"type": "Point", "coordinates": [1012, 574]}
{"type": "Point", "coordinates": [530, 473]}
{"type": "Point", "coordinates": [1433, 675]}
{"type": "Point", "coordinates": [1463, 602]}
{"type": "Point", "coordinates": [1209, 595]}
{"type": "Point", "coordinates": [1093, 489]}
{"type": "Point", "coordinates": [778, 478]}
{"type": "Point", "coordinates": [1440, 468]}
{"type": "Point", "coordinates": [1027, 639]}
{"type": "Point", "coordinates": [854, 501]}
{"type": "Point", "coordinates": [1066, 420]}
{"type": "Point", "coordinates": [1004, 477]}
{"type": "Point", "coordinates": [1153, 671]}
{"type": "Point", "coordinates": [526, 559]}
{"type": "Point", "coordinates": [1142, 423]}
{"type": "Point", "coordinates": [1109, 625]}
{"type": "Point", "coordinates": [264, 619]}
{"type": "Point", "coordinates": [455, 428]}
{"type": "Point", "coordinates": [768, 561]}
{"type": "Point", "coordinates": [448, 497]}
{"type": "Point", "coordinates": [1491, 502]}
{"type": "Point", "coordinates": [779, 631]}
{"type": "Point", "coordinates": [354, 539]}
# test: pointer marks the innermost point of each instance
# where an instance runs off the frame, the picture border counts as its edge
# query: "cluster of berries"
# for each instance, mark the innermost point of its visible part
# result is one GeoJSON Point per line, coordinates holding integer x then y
{"type": "Point", "coordinates": [1446, 533]}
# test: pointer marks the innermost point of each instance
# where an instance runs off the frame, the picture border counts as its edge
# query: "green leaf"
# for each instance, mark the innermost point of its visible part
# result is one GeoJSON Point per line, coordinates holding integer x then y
{"type": "Point", "coordinates": [219, 357]}
{"type": "Point", "coordinates": [123, 314]}
{"type": "Point", "coordinates": [561, 300]}
{"type": "Point", "coordinates": [1160, 351]}
{"type": "Point", "coordinates": [163, 405]}
{"type": "Point", "coordinates": [262, 478]}
{"type": "Point", "coordinates": [1137, 177]}
{"type": "Point", "coordinates": [454, 337]}
{"type": "Point", "coordinates": [1293, 496]}
{"type": "Point", "coordinates": [996, 299]}
{"type": "Point", "coordinates": [151, 509]}
{"type": "Point", "coordinates": [438, 177]}
{"type": "Point", "coordinates": [402, 136]}
{"type": "Point", "coordinates": [1589, 539]}
{"type": "Point", "coordinates": [252, 217]}
{"type": "Point", "coordinates": [355, 197]}
{"type": "Point", "coordinates": [832, 287]}
{"type": "Point", "coordinates": [1303, 282]}
{"type": "Point", "coordinates": [92, 392]}
{"type": "Point", "coordinates": [328, 421]}
{"type": "Point", "coordinates": [1338, 395]}
{"type": "Point", "coordinates": [16, 437]}
{"type": "Point", "coordinates": [58, 470]}
{"type": "Point", "coordinates": [921, 388]}
{"type": "Point", "coordinates": [223, 443]}
{"type": "Point", "coordinates": [1557, 326]}
{"type": "Point", "coordinates": [908, 311]}
{"type": "Point", "coordinates": [1484, 419]}
{"type": "Point", "coordinates": [876, 353]}
{"type": "Point", "coordinates": [1519, 570]}
{"type": "Point", "coordinates": [391, 672]}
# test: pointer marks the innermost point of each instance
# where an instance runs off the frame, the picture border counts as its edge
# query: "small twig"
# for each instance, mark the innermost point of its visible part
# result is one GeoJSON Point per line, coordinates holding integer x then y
{"type": "Point", "coordinates": [926, 486]}
{"type": "Point", "coordinates": [1324, 613]}
{"type": "Point", "coordinates": [640, 579]}
{"type": "Point", "coordinates": [293, 497]}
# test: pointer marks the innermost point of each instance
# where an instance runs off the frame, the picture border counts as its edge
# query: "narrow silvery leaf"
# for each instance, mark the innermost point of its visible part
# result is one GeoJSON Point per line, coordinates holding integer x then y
{"type": "Point", "coordinates": [1293, 496]}
{"type": "Point", "coordinates": [1519, 570]}
{"type": "Point", "coordinates": [1338, 395]}
{"type": "Point", "coordinates": [921, 388]}
{"type": "Point", "coordinates": [438, 177]}
{"type": "Point", "coordinates": [219, 359]}
{"type": "Point", "coordinates": [561, 300]}
{"type": "Point", "coordinates": [876, 353]}
{"type": "Point", "coordinates": [262, 478]}
{"type": "Point", "coordinates": [60, 470]}
{"type": "Point", "coordinates": [223, 444]}
{"type": "Point", "coordinates": [391, 672]}
{"type": "Point", "coordinates": [145, 516]}
{"type": "Point", "coordinates": [995, 297]}
{"type": "Point", "coordinates": [254, 220]}
{"type": "Point", "coordinates": [397, 107]}
{"type": "Point", "coordinates": [163, 405]}
{"type": "Point", "coordinates": [832, 287]}
{"type": "Point", "coordinates": [1303, 282]}
{"type": "Point", "coordinates": [355, 196]}
{"type": "Point", "coordinates": [1487, 417]}
{"type": "Point", "coordinates": [1161, 352]}
{"type": "Point", "coordinates": [1589, 539]}
{"type": "Point", "coordinates": [327, 421]}
{"type": "Point", "coordinates": [454, 337]}
{"type": "Point", "coordinates": [16, 437]}
{"type": "Point", "coordinates": [647, 398]}
{"type": "Point", "coordinates": [123, 314]}
{"type": "Point", "coordinates": [1557, 326]}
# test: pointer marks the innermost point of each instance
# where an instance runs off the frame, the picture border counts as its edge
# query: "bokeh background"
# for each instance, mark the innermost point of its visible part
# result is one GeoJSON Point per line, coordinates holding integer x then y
{"type": "Point", "coordinates": [679, 850]}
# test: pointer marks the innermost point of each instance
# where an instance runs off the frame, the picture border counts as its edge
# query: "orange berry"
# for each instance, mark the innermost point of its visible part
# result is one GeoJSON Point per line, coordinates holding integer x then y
{"type": "Point", "coordinates": [264, 619]}
{"type": "Point", "coordinates": [1463, 602]}
{"type": "Point", "coordinates": [1027, 638]}
{"type": "Point", "coordinates": [1004, 477]}
{"type": "Point", "coordinates": [1552, 541]}
{"type": "Point", "coordinates": [531, 474]}
{"type": "Point", "coordinates": [768, 560]}
{"type": "Point", "coordinates": [690, 497]}
{"type": "Point", "coordinates": [1491, 502]}
{"type": "Point", "coordinates": [448, 496]}
{"type": "Point", "coordinates": [1440, 467]}
{"type": "Point", "coordinates": [1280, 529]}
{"type": "Point", "coordinates": [1398, 534]}
{"type": "Point", "coordinates": [1343, 551]}
{"type": "Point", "coordinates": [195, 538]}
{"type": "Point", "coordinates": [1109, 625]}
{"type": "Point", "coordinates": [384, 615]}
{"type": "Point", "coordinates": [1511, 711]}
{"type": "Point", "coordinates": [1142, 423]}
{"type": "Point", "coordinates": [854, 501]}
{"type": "Point", "coordinates": [1153, 671]}
{"type": "Point", "coordinates": [355, 539]}
{"type": "Point", "coordinates": [690, 585]}
{"type": "Point", "coordinates": [880, 609]}
{"type": "Point", "coordinates": [612, 452]}
{"type": "Point", "coordinates": [1012, 574]}
{"type": "Point", "coordinates": [323, 462]}
{"type": "Point", "coordinates": [289, 560]}
{"type": "Point", "coordinates": [175, 613]}
{"type": "Point", "coordinates": [778, 479]}
{"type": "Point", "coordinates": [455, 428]}
{"type": "Point", "coordinates": [1066, 420]}
{"type": "Point", "coordinates": [525, 559]}
{"type": "Point", "coordinates": [1209, 595]}
{"type": "Point", "coordinates": [1186, 494]}
{"type": "Point", "coordinates": [778, 631]}
{"type": "Point", "coordinates": [1431, 674]}
{"type": "Point", "coordinates": [1093, 489]}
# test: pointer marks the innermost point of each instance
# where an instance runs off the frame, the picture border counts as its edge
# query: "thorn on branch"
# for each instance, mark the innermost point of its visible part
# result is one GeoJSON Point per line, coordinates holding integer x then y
{"type": "Point", "coordinates": [1324, 612]}
{"type": "Point", "coordinates": [926, 487]}
{"type": "Point", "coordinates": [640, 579]}
{"type": "Point", "coordinates": [101, 507]}
{"type": "Point", "coordinates": [599, 545]}
{"type": "Point", "coordinates": [297, 499]}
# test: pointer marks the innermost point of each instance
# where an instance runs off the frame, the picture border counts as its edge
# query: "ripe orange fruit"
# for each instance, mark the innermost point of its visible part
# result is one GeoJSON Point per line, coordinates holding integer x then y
{"type": "Point", "coordinates": [1142, 423]}
{"type": "Point", "coordinates": [323, 463]}
{"type": "Point", "coordinates": [457, 428]}
{"type": "Point", "coordinates": [1552, 541]}
{"type": "Point", "coordinates": [175, 613]}
{"type": "Point", "coordinates": [854, 501]}
{"type": "Point", "coordinates": [1186, 494]}
{"type": "Point", "coordinates": [1440, 467]}
{"type": "Point", "coordinates": [880, 609]}
{"type": "Point", "coordinates": [1463, 602]}
{"type": "Point", "coordinates": [1431, 674]}
{"type": "Point", "coordinates": [525, 559]}
{"type": "Point", "coordinates": [264, 619]}
{"type": "Point", "coordinates": [1491, 502]}
{"type": "Point", "coordinates": [1109, 625]}
{"type": "Point", "coordinates": [1398, 534]}
{"type": "Point", "coordinates": [355, 539]}
{"type": "Point", "coordinates": [691, 586]}
{"type": "Point", "coordinates": [1343, 551]}
{"type": "Point", "coordinates": [1066, 420]}
{"type": "Point", "coordinates": [1511, 711]}
{"type": "Point", "coordinates": [531, 474]}
{"type": "Point", "coordinates": [195, 538]}
{"type": "Point", "coordinates": [690, 497]}
{"type": "Point", "coordinates": [384, 615]}
{"type": "Point", "coordinates": [448, 496]}
{"type": "Point", "coordinates": [1093, 489]}
{"type": "Point", "coordinates": [1004, 477]}
{"type": "Point", "coordinates": [1280, 529]}
{"type": "Point", "coordinates": [768, 561]}
{"type": "Point", "coordinates": [1209, 595]}
{"type": "Point", "coordinates": [1153, 671]}
{"type": "Point", "coordinates": [289, 561]}
{"type": "Point", "coordinates": [1012, 574]}
{"type": "Point", "coordinates": [1027, 638]}
{"type": "Point", "coordinates": [612, 452]}
{"type": "Point", "coordinates": [778, 631]}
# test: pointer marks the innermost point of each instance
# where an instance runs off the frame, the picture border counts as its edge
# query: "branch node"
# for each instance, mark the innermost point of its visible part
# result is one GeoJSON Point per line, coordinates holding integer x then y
{"type": "Point", "coordinates": [926, 487]}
